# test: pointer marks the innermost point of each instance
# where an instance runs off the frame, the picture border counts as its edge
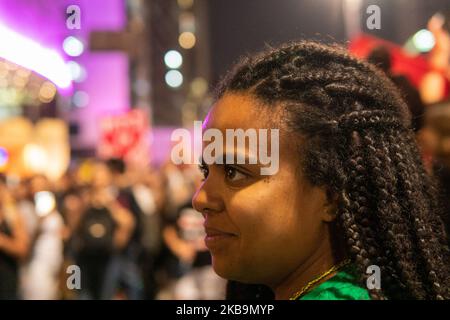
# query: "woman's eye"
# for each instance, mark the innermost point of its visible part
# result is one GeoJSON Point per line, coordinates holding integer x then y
{"type": "Point", "coordinates": [234, 175]}
{"type": "Point", "coordinates": [204, 170]}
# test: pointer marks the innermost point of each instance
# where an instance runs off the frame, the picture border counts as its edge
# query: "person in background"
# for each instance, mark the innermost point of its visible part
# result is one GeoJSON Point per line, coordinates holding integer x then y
{"type": "Point", "coordinates": [199, 282]}
{"type": "Point", "coordinates": [40, 272]}
{"type": "Point", "coordinates": [148, 191]}
{"type": "Point", "coordinates": [184, 235]}
{"type": "Point", "coordinates": [14, 243]}
{"type": "Point", "coordinates": [174, 263]}
{"type": "Point", "coordinates": [25, 205]}
{"type": "Point", "coordinates": [103, 233]}
{"type": "Point", "coordinates": [126, 269]}
{"type": "Point", "coordinates": [435, 84]}
{"type": "Point", "coordinates": [381, 57]}
{"type": "Point", "coordinates": [72, 208]}
{"type": "Point", "coordinates": [62, 186]}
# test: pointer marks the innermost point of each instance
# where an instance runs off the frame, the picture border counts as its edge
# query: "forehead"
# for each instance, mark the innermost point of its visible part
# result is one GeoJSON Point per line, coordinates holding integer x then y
{"type": "Point", "coordinates": [239, 111]}
{"type": "Point", "coordinates": [243, 111]}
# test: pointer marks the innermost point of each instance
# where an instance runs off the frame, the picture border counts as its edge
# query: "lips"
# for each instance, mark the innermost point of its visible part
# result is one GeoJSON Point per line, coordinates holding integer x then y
{"type": "Point", "coordinates": [216, 237]}
{"type": "Point", "coordinates": [212, 232]}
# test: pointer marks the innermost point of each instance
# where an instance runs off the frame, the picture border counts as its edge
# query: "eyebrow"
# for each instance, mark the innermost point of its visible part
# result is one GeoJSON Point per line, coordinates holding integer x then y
{"type": "Point", "coordinates": [222, 159]}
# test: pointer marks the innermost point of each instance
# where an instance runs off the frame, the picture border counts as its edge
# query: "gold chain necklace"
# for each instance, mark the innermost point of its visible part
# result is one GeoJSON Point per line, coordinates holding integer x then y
{"type": "Point", "coordinates": [306, 288]}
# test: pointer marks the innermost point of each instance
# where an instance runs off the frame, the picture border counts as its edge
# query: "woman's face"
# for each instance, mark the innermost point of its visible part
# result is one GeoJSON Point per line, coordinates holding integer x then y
{"type": "Point", "coordinates": [260, 228]}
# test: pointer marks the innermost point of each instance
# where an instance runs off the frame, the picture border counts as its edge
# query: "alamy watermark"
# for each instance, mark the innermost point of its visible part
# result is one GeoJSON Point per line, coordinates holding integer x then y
{"type": "Point", "coordinates": [374, 20]}
{"type": "Point", "coordinates": [73, 20]}
{"type": "Point", "coordinates": [256, 150]}
{"type": "Point", "coordinates": [73, 281]}
{"type": "Point", "coordinates": [374, 280]}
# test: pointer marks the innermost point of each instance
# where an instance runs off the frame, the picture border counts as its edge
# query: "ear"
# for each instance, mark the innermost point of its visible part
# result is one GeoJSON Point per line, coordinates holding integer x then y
{"type": "Point", "coordinates": [329, 212]}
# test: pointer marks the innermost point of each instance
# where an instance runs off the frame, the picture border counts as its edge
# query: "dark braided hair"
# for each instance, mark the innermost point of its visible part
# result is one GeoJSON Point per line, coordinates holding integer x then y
{"type": "Point", "coordinates": [361, 149]}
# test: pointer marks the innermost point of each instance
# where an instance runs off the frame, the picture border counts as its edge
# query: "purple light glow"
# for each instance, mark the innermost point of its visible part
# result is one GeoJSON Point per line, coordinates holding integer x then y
{"type": "Point", "coordinates": [16, 48]}
{"type": "Point", "coordinates": [106, 83]}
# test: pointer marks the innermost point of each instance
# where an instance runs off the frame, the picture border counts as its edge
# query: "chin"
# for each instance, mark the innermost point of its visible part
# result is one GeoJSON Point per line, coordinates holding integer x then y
{"type": "Point", "coordinates": [230, 270]}
{"type": "Point", "coordinates": [225, 268]}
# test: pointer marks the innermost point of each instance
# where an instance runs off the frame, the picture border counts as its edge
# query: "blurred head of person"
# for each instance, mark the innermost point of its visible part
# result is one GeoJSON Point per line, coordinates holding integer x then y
{"type": "Point", "coordinates": [116, 165]}
{"type": "Point", "coordinates": [380, 57]}
{"type": "Point", "coordinates": [119, 172]}
{"type": "Point", "coordinates": [72, 208]}
{"type": "Point", "coordinates": [179, 187]}
{"type": "Point", "coordinates": [155, 180]}
{"type": "Point", "coordinates": [102, 176]}
{"type": "Point", "coordinates": [73, 202]}
{"type": "Point", "coordinates": [39, 183]}
{"type": "Point", "coordinates": [22, 190]}
{"type": "Point", "coordinates": [64, 183]}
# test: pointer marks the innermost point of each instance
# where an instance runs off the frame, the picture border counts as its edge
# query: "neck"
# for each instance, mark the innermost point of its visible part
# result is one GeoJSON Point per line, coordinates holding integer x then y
{"type": "Point", "coordinates": [318, 263]}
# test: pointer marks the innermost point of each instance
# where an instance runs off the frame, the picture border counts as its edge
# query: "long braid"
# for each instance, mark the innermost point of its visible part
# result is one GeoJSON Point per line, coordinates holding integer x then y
{"type": "Point", "coordinates": [428, 243]}
{"type": "Point", "coordinates": [429, 187]}
{"type": "Point", "coordinates": [393, 224]}
{"type": "Point", "coordinates": [353, 205]}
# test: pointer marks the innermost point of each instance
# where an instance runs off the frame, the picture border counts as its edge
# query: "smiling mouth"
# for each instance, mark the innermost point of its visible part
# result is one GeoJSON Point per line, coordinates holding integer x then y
{"type": "Point", "coordinates": [216, 232]}
{"type": "Point", "coordinates": [216, 237]}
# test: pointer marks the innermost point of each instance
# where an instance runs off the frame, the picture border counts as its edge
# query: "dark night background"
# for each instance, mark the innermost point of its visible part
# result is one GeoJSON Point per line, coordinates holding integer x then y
{"type": "Point", "coordinates": [244, 26]}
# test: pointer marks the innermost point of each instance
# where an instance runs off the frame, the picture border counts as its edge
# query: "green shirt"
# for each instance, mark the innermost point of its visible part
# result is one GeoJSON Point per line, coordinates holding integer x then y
{"type": "Point", "coordinates": [342, 286]}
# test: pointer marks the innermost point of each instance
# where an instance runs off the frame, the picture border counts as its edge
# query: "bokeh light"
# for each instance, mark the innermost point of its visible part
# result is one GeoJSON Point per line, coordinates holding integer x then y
{"type": "Point", "coordinates": [174, 78]}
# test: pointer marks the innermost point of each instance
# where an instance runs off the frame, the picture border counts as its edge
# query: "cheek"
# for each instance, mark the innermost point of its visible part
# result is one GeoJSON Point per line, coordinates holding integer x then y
{"type": "Point", "coordinates": [262, 214]}
{"type": "Point", "coordinates": [278, 229]}
{"type": "Point", "coordinates": [268, 223]}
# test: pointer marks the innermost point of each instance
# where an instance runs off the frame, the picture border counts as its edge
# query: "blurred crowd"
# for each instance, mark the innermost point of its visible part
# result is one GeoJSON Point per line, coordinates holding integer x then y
{"type": "Point", "coordinates": [105, 231]}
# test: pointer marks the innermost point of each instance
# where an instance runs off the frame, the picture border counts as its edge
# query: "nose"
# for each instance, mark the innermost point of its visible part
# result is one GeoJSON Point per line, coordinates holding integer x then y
{"type": "Point", "coordinates": [207, 198]}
